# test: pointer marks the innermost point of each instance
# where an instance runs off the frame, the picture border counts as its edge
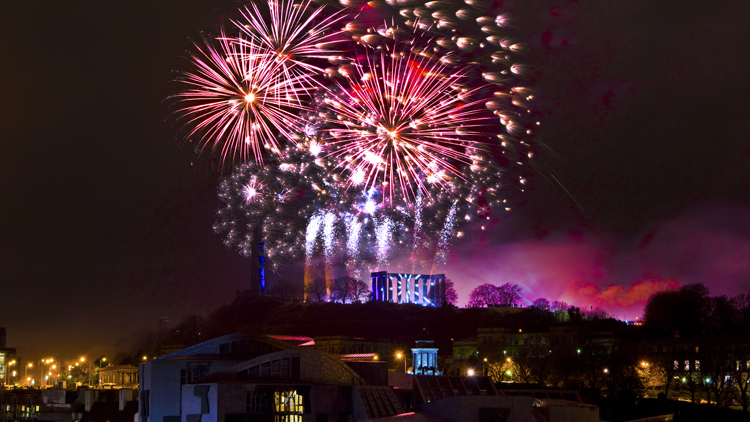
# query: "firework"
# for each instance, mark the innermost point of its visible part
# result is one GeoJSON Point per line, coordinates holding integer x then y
{"type": "Point", "coordinates": [399, 123]}
{"type": "Point", "coordinates": [235, 104]}
{"type": "Point", "coordinates": [387, 140]}
{"type": "Point", "coordinates": [296, 35]}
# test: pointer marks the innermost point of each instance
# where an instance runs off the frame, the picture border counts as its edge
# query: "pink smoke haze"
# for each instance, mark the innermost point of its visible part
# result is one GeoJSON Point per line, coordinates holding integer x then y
{"type": "Point", "coordinates": [709, 245]}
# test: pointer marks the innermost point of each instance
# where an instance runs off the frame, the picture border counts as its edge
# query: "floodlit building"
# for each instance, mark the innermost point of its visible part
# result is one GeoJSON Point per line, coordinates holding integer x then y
{"type": "Point", "coordinates": [424, 356]}
{"type": "Point", "coordinates": [420, 289]}
{"type": "Point", "coordinates": [119, 376]}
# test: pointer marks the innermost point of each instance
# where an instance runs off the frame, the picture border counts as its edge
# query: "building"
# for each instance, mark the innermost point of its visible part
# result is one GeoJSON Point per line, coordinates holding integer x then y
{"type": "Point", "coordinates": [8, 363]}
{"type": "Point", "coordinates": [290, 385]}
{"type": "Point", "coordinates": [161, 379]}
{"type": "Point", "coordinates": [424, 356]}
{"type": "Point", "coordinates": [119, 376]}
{"type": "Point", "coordinates": [420, 289]}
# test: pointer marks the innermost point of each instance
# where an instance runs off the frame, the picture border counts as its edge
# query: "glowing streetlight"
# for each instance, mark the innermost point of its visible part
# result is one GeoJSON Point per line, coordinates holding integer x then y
{"type": "Point", "coordinates": [470, 372]}
{"type": "Point", "coordinates": [399, 355]}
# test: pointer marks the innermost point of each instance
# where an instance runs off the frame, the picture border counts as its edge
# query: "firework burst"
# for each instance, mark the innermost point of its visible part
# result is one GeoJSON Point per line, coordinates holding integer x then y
{"type": "Point", "coordinates": [235, 104]}
{"type": "Point", "coordinates": [387, 140]}
{"type": "Point", "coordinates": [398, 122]}
{"type": "Point", "coordinates": [296, 35]}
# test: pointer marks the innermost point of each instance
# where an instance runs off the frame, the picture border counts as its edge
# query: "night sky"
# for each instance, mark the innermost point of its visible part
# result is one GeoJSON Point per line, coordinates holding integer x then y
{"type": "Point", "coordinates": [106, 226]}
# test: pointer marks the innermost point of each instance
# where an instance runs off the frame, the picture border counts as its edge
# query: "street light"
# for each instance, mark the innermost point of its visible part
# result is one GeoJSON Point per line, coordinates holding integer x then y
{"type": "Point", "coordinates": [399, 355]}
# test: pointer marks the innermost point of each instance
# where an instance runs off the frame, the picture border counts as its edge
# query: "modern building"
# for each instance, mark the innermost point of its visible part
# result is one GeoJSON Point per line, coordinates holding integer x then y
{"type": "Point", "coordinates": [161, 379]}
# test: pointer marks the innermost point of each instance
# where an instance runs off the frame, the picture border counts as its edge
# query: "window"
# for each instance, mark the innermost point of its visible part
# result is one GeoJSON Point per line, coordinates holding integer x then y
{"type": "Point", "coordinates": [288, 406]}
{"type": "Point", "coordinates": [279, 368]}
{"type": "Point", "coordinates": [257, 402]}
{"type": "Point", "coordinates": [697, 365]}
{"type": "Point", "coordinates": [192, 372]}
{"type": "Point", "coordinates": [687, 365]}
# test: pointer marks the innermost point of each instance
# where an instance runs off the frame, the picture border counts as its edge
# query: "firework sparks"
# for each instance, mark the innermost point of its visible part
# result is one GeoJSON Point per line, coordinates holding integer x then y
{"type": "Point", "coordinates": [441, 256]}
{"type": "Point", "coordinates": [294, 34]}
{"type": "Point", "coordinates": [235, 103]}
{"type": "Point", "coordinates": [400, 123]}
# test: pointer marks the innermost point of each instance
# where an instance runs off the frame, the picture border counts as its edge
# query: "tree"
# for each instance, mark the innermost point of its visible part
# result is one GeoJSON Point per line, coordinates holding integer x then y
{"type": "Point", "coordinates": [541, 304]}
{"type": "Point", "coordinates": [348, 289]}
{"type": "Point", "coordinates": [497, 369]}
{"type": "Point", "coordinates": [594, 314]}
{"type": "Point", "coordinates": [575, 315]}
{"type": "Point", "coordinates": [285, 289]}
{"type": "Point", "coordinates": [740, 379]}
{"type": "Point", "coordinates": [559, 310]}
{"type": "Point", "coordinates": [487, 294]}
{"type": "Point", "coordinates": [317, 290]}
{"type": "Point", "coordinates": [677, 310]}
{"type": "Point", "coordinates": [663, 364]}
{"type": "Point", "coordinates": [594, 358]}
{"type": "Point", "coordinates": [451, 297]}
{"type": "Point", "coordinates": [536, 358]}
{"type": "Point", "coordinates": [715, 364]}
{"type": "Point", "coordinates": [483, 295]}
{"type": "Point", "coordinates": [359, 291]}
{"type": "Point", "coordinates": [509, 294]}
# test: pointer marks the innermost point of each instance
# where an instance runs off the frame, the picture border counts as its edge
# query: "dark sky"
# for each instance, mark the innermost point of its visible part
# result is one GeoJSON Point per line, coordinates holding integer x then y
{"type": "Point", "coordinates": [105, 226]}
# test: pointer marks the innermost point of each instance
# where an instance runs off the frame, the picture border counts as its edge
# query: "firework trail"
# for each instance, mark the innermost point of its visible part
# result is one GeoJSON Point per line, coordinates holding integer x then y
{"type": "Point", "coordinates": [417, 230]}
{"type": "Point", "coordinates": [313, 227]}
{"type": "Point", "coordinates": [353, 233]}
{"type": "Point", "coordinates": [441, 255]}
{"type": "Point", "coordinates": [383, 231]}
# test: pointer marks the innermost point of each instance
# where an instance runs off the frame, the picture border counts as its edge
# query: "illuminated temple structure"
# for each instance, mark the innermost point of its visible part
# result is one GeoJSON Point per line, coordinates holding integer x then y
{"type": "Point", "coordinates": [420, 289]}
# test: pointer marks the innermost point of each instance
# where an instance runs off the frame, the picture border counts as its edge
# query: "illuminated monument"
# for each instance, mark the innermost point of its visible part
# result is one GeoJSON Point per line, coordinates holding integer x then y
{"type": "Point", "coordinates": [420, 289]}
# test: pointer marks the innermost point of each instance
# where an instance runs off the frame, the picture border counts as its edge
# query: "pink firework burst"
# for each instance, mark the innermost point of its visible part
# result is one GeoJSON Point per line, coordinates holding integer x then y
{"type": "Point", "coordinates": [294, 34]}
{"type": "Point", "coordinates": [235, 102]}
{"type": "Point", "coordinates": [403, 122]}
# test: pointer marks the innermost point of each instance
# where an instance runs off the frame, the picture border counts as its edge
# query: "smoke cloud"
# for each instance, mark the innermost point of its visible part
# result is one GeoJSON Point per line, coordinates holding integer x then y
{"type": "Point", "coordinates": [704, 244]}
